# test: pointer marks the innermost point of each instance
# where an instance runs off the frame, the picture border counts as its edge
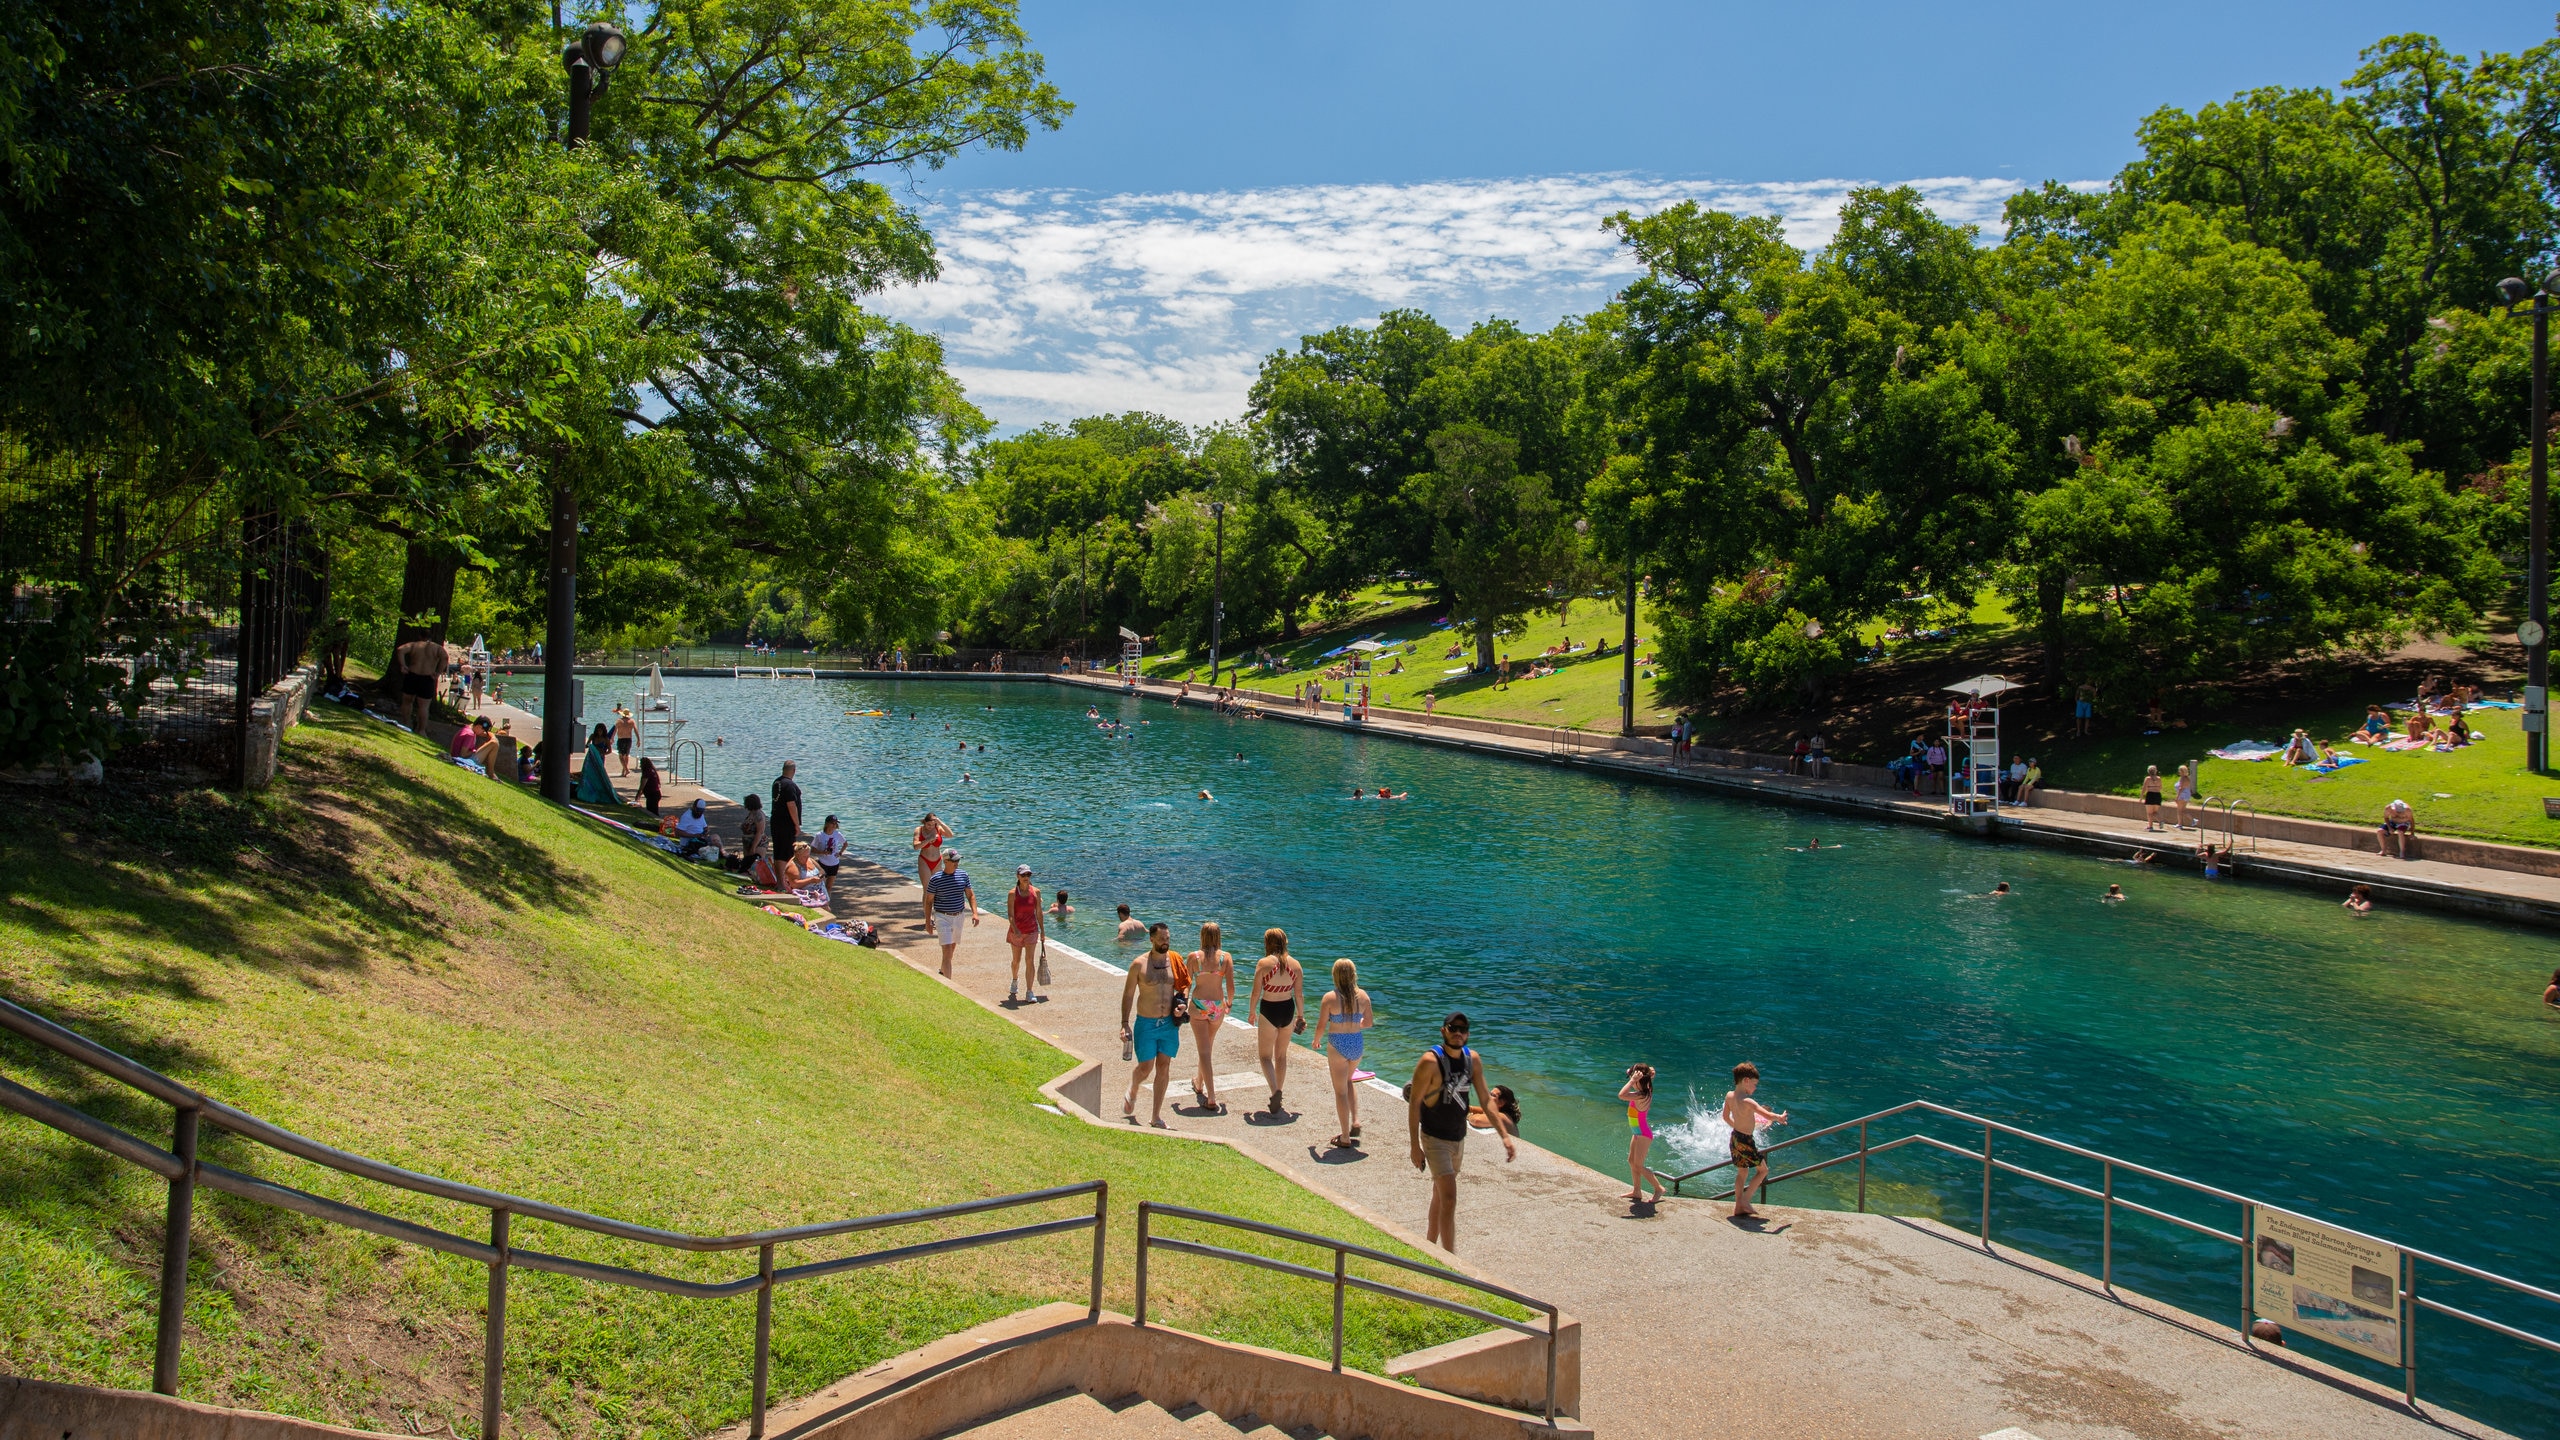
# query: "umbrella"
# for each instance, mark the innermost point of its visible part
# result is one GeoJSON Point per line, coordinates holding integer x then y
{"type": "Point", "coordinates": [1982, 687]}
{"type": "Point", "coordinates": [657, 683]}
{"type": "Point", "coordinates": [1364, 645]}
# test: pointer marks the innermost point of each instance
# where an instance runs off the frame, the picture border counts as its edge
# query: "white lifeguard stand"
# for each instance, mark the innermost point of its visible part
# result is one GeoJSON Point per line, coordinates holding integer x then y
{"type": "Point", "coordinates": [655, 710]}
{"type": "Point", "coordinates": [1973, 745]}
{"type": "Point", "coordinates": [1132, 650]}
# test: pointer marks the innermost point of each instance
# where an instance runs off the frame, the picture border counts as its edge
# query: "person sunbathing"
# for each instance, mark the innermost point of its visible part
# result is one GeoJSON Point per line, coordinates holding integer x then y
{"type": "Point", "coordinates": [2297, 751]}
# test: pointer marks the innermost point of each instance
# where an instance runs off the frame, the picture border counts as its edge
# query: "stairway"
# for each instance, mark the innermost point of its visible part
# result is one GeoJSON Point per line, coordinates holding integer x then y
{"type": "Point", "coordinates": [1075, 1415]}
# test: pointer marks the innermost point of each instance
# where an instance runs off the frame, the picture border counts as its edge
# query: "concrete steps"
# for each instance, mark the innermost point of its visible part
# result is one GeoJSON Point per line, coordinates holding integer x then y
{"type": "Point", "coordinates": [1078, 1416]}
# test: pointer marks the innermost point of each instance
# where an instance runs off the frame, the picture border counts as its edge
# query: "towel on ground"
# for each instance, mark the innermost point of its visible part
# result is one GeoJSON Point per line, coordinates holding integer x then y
{"type": "Point", "coordinates": [2248, 750]}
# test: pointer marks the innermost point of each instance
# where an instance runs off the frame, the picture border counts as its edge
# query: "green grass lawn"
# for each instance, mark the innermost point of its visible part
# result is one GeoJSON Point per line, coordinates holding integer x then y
{"type": "Point", "coordinates": [2482, 791]}
{"type": "Point", "coordinates": [1582, 694]}
{"type": "Point", "coordinates": [392, 955]}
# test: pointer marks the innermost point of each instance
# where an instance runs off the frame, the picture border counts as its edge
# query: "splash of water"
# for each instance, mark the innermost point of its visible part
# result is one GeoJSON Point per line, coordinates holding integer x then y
{"type": "Point", "coordinates": [1703, 1138]}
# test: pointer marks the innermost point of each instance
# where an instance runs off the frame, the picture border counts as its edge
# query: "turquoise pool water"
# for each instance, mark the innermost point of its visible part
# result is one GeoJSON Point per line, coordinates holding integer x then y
{"type": "Point", "coordinates": [2395, 1073]}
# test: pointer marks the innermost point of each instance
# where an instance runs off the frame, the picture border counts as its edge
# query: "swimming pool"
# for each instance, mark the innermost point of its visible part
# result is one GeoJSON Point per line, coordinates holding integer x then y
{"type": "Point", "coordinates": [2394, 1073]}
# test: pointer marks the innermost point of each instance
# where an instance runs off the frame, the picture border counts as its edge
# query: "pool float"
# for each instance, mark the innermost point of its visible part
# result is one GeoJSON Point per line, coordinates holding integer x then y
{"type": "Point", "coordinates": [880, 713]}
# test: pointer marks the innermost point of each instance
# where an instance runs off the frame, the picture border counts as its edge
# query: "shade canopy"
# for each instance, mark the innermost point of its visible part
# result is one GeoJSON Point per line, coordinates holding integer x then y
{"type": "Point", "coordinates": [1983, 687]}
{"type": "Point", "coordinates": [1364, 645]}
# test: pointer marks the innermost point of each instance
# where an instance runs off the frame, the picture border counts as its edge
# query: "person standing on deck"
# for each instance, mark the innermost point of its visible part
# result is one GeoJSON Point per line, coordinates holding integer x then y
{"type": "Point", "coordinates": [786, 810]}
{"type": "Point", "coordinates": [1154, 1034]}
{"type": "Point", "coordinates": [1025, 931]}
{"type": "Point", "coordinates": [1436, 1122]}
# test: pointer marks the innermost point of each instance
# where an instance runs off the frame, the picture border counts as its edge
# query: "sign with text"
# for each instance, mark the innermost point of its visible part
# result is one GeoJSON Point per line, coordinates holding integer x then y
{"type": "Point", "coordinates": [2327, 1282]}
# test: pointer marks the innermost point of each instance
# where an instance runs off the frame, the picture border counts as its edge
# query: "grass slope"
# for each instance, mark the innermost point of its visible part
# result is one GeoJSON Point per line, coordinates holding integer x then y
{"type": "Point", "coordinates": [2482, 791]}
{"type": "Point", "coordinates": [1582, 694]}
{"type": "Point", "coordinates": [392, 955]}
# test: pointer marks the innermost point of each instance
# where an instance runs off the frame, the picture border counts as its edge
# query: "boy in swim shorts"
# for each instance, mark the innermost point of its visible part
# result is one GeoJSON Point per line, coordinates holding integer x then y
{"type": "Point", "coordinates": [1745, 1115]}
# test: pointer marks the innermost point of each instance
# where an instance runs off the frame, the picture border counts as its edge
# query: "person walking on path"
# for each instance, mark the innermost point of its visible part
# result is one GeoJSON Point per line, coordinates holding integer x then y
{"type": "Point", "coordinates": [949, 897]}
{"type": "Point", "coordinates": [1436, 1122]}
{"type": "Point", "coordinates": [625, 730]}
{"type": "Point", "coordinates": [786, 809]}
{"type": "Point", "coordinates": [1342, 1027]}
{"type": "Point", "coordinates": [1745, 1116]}
{"type": "Point", "coordinates": [1213, 994]}
{"type": "Point", "coordinates": [1277, 981]}
{"type": "Point", "coordinates": [1025, 930]}
{"type": "Point", "coordinates": [2185, 793]}
{"type": "Point", "coordinates": [651, 790]}
{"type": "Point", "coordinates": [2151, 797]}
{"type": "Point", "coordinates": [1156, 988]}
{"type": "Point", "coordinates": [594, 786]}
{"type": "Point", "coordinates": [1637, 1093]}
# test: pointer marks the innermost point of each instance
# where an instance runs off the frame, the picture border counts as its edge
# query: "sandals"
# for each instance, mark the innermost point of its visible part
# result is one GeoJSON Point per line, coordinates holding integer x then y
{"type": "Point", "coordinates": [1355, 1132]}
{"type": "Point", "coordinates": [1340, 1142]}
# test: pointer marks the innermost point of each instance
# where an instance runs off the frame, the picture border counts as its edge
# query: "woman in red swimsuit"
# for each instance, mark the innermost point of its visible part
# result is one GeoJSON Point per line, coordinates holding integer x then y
{"type": "Point", "coordinates": [1024, 930]}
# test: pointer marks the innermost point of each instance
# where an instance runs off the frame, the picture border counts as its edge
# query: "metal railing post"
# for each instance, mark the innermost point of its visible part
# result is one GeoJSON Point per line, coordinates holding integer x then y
{"type": "Point", "coordinates": [1551, 1367]}
{"type": "Point", "coordinates": [2107, 1231]}
{"type": "Point", "coordinates": [1143, 1207]}
{"type": "Point", "coordinates": [1341, 1258]}
{"type": "Point", "coordinates": [1986, 1186]}
{"type": "Point", "coordinates": [493, 1351]}
{"type": "Point", "coordinates": [173, 1257]}
{"type": "Point", "coordinates": [1862, 1167]}
{"type": "Point", "coordinates": [764, 1336]}
{"type": "Point", "coordinates": [2409, 1334]}
{"type": "Point", "coordinates": [1101, 1215]}
{"type": "Point", "coordinates": [2248, 1244]}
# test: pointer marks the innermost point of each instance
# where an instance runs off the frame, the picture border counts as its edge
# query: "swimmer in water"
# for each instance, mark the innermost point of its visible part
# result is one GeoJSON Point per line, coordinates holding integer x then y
{"type": "Point", "coordinates": [1359, 794]}
{"type": "Point", "coordinates": [1998, 891]}
{"type": "Point", "coordinates": [1091, 713]}
{"type": "Point", "coordinates": [965, 780]}
{"type": "Point", "coordinates": [1814, 843]}
{"type": "Point", "coordinates": [1205, 795]}
{"type": "Point", "coordinates": [2140, 857]}
{"type": "Point", "coordinates": [2360, 900]}
{"type": "Point", "coordinates": [719, 739]}
{"type": "Point", "coordinates": [2115, 893]}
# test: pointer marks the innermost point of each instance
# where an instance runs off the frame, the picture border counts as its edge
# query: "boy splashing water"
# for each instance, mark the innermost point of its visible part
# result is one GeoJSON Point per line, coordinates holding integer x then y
{"type": "Point", "coordinates": [1745, 1115]}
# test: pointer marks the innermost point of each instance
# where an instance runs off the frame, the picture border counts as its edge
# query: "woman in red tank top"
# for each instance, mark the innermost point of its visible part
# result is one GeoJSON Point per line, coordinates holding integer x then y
{"type": "Point", "coordinates": [1026, 927]}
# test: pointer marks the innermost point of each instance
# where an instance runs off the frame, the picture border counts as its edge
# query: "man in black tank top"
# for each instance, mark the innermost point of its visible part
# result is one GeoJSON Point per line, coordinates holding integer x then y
{"type": "Point", "coordinates": [1436, 1119]}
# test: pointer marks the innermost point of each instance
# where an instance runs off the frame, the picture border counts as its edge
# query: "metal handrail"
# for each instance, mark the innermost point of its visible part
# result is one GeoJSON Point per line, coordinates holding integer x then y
{"type": "Point", "coordinates": [1342, 1282]}
{"type": "Point", "coordinates": [183, 1169]}
{"type": "Point", "coordinates": [2231, 825]}
{"type": "Point", "coordinates": [675, 761]}
{"type": "Point", "coordinates": [2109, 1202]}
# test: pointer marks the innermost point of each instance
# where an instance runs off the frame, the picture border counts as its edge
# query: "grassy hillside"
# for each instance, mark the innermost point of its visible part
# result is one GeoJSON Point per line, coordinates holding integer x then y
{"type": "Point", "coordinates": [1583, 692]}
{"type": "Point", "coordinates": [392, 955]}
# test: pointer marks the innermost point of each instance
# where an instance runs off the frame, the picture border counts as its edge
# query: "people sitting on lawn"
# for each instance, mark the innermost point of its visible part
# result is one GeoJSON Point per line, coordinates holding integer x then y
{"type": "Point", "coordinates": [2459, 730]}
{"type": "Point", "coordinates": [2297, 751]}
{"type": "Point", "coordinates": [2376, 727]}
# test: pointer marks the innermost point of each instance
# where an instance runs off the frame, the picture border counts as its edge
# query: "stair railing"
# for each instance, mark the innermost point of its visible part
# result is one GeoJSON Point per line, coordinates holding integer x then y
{"type": "Point", "coordinates": [184, 1170]}
{"type": "Point", "coordinates": [2409, 1301]}
{"type": "Point", "coordinates": [1341, 1281]}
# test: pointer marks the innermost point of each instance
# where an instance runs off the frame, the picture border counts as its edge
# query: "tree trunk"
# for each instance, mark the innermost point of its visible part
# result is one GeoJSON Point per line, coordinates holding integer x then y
{"type": "Point", "coordinates": [426, 591]}
{"type": "Point", "coordinates": [2049, 599]}
{"type": "Point", "coordinates": [1289, 622]}
{"type": "Point", "coordinates": [1484, 647]}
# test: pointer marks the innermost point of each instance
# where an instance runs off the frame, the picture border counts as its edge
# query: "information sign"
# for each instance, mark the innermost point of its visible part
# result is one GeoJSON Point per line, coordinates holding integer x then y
{"type": "Point", "coordinates": [2327, 1282]}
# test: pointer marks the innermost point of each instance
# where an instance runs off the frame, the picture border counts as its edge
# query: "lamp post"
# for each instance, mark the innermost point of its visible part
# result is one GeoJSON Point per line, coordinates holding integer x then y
{"type": "Point", "coordinates": [1217, 586]}
{"type": "Point", "coordinates": [590, 60]}
{"type": "Point", "coordinates": [2534, 633]}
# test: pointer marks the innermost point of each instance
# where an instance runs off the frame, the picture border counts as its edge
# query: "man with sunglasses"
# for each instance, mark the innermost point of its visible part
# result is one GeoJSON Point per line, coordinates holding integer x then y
{"type": "Point", "coordinates": [1436, 1121]}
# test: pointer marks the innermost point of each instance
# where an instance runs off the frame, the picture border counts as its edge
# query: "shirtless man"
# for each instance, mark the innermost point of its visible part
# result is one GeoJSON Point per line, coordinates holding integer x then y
{"type": "Point", "coordinates": [415, 666]}
{"type": "Point", "coordinates": [2399, 823]}
{"type": "Point", "coordinates": [1745, 1115]}
{"type": "Point", "coordinates": [626, 730]}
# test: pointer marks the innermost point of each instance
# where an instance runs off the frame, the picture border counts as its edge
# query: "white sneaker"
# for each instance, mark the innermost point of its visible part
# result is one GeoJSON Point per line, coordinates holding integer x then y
{"type": "Point", "coordinates": [1011, 994]}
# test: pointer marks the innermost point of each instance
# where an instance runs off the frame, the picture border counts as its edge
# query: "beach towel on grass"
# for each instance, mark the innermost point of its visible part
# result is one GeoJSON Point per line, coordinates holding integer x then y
{"type": "Point", "coordinates": [2247, 750]}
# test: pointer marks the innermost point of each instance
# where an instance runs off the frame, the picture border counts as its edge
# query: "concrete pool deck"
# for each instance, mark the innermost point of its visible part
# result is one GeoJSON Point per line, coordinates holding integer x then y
{"type": "Point", "coordinates": [1816, 1323]}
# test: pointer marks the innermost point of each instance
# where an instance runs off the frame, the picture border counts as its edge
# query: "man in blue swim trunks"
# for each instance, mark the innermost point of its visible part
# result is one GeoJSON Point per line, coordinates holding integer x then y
{"type": "Point", "coordinates": [1155, 1036]}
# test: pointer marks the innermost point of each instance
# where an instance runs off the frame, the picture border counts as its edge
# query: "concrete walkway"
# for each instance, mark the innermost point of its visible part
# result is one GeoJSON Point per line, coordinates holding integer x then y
{"type": "Point", "coordinates": [1813, 1323]}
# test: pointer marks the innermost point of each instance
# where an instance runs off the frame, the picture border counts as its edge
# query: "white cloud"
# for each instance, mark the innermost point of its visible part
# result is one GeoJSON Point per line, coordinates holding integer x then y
{"type": "Point", "coordinates": [1059, 303]}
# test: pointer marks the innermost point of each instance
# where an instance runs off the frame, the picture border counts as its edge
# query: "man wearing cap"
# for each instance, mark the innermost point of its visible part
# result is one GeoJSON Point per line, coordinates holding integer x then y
{"type": "Point", "coordinates": [952, 898]}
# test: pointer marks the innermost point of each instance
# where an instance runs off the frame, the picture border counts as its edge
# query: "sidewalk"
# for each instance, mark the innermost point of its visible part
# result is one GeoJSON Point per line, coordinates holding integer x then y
{"type": "Point", "coordinates": [1816, 1323]}
{"type": "Point", "coordinates": [2506, 895]}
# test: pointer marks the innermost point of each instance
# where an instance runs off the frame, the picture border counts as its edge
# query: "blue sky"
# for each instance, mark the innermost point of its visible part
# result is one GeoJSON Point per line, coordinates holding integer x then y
{"type": "Point", "coordinates": [1236, 175]}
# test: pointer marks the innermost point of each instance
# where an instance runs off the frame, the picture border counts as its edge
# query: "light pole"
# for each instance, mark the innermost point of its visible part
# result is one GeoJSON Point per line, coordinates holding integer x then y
{"type": "Point", "coordinates": [590, 60]}
{"type": "Point", "coordinates": [1217, 586]}
{"type": "Point", "coordinates": [2534, 633]}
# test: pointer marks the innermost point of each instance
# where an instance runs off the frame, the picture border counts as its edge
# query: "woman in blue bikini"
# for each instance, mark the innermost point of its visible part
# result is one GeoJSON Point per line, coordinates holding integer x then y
{"type": "Point", "coordinates": [1342, 1023]}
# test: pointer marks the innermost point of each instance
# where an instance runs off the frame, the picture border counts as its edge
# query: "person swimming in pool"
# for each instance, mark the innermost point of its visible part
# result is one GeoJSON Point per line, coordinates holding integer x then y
{"type": "Point", "coordinates": [2115, 894]}
{"type": "Point", "coordinates": [1205, 795]}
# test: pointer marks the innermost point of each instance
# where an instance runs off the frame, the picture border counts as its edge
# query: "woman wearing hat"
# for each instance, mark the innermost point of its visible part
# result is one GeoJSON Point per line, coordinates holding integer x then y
{"type": "Point", "coordinates": [1024, 930]}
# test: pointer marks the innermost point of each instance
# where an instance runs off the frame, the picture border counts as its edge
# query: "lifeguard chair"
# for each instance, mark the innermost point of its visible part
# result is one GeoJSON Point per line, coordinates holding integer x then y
{"type": "Point", "coordinates": [1133, 648]}
{"type": "Point", "coordinates": [1973, 744]}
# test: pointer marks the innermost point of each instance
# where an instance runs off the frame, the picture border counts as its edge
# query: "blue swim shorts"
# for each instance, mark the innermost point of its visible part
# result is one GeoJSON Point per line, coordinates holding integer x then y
{"type": "Point", "coordinates": [1152, 1037]}
{"type": "Point", "coordinates": [2080, 709]}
